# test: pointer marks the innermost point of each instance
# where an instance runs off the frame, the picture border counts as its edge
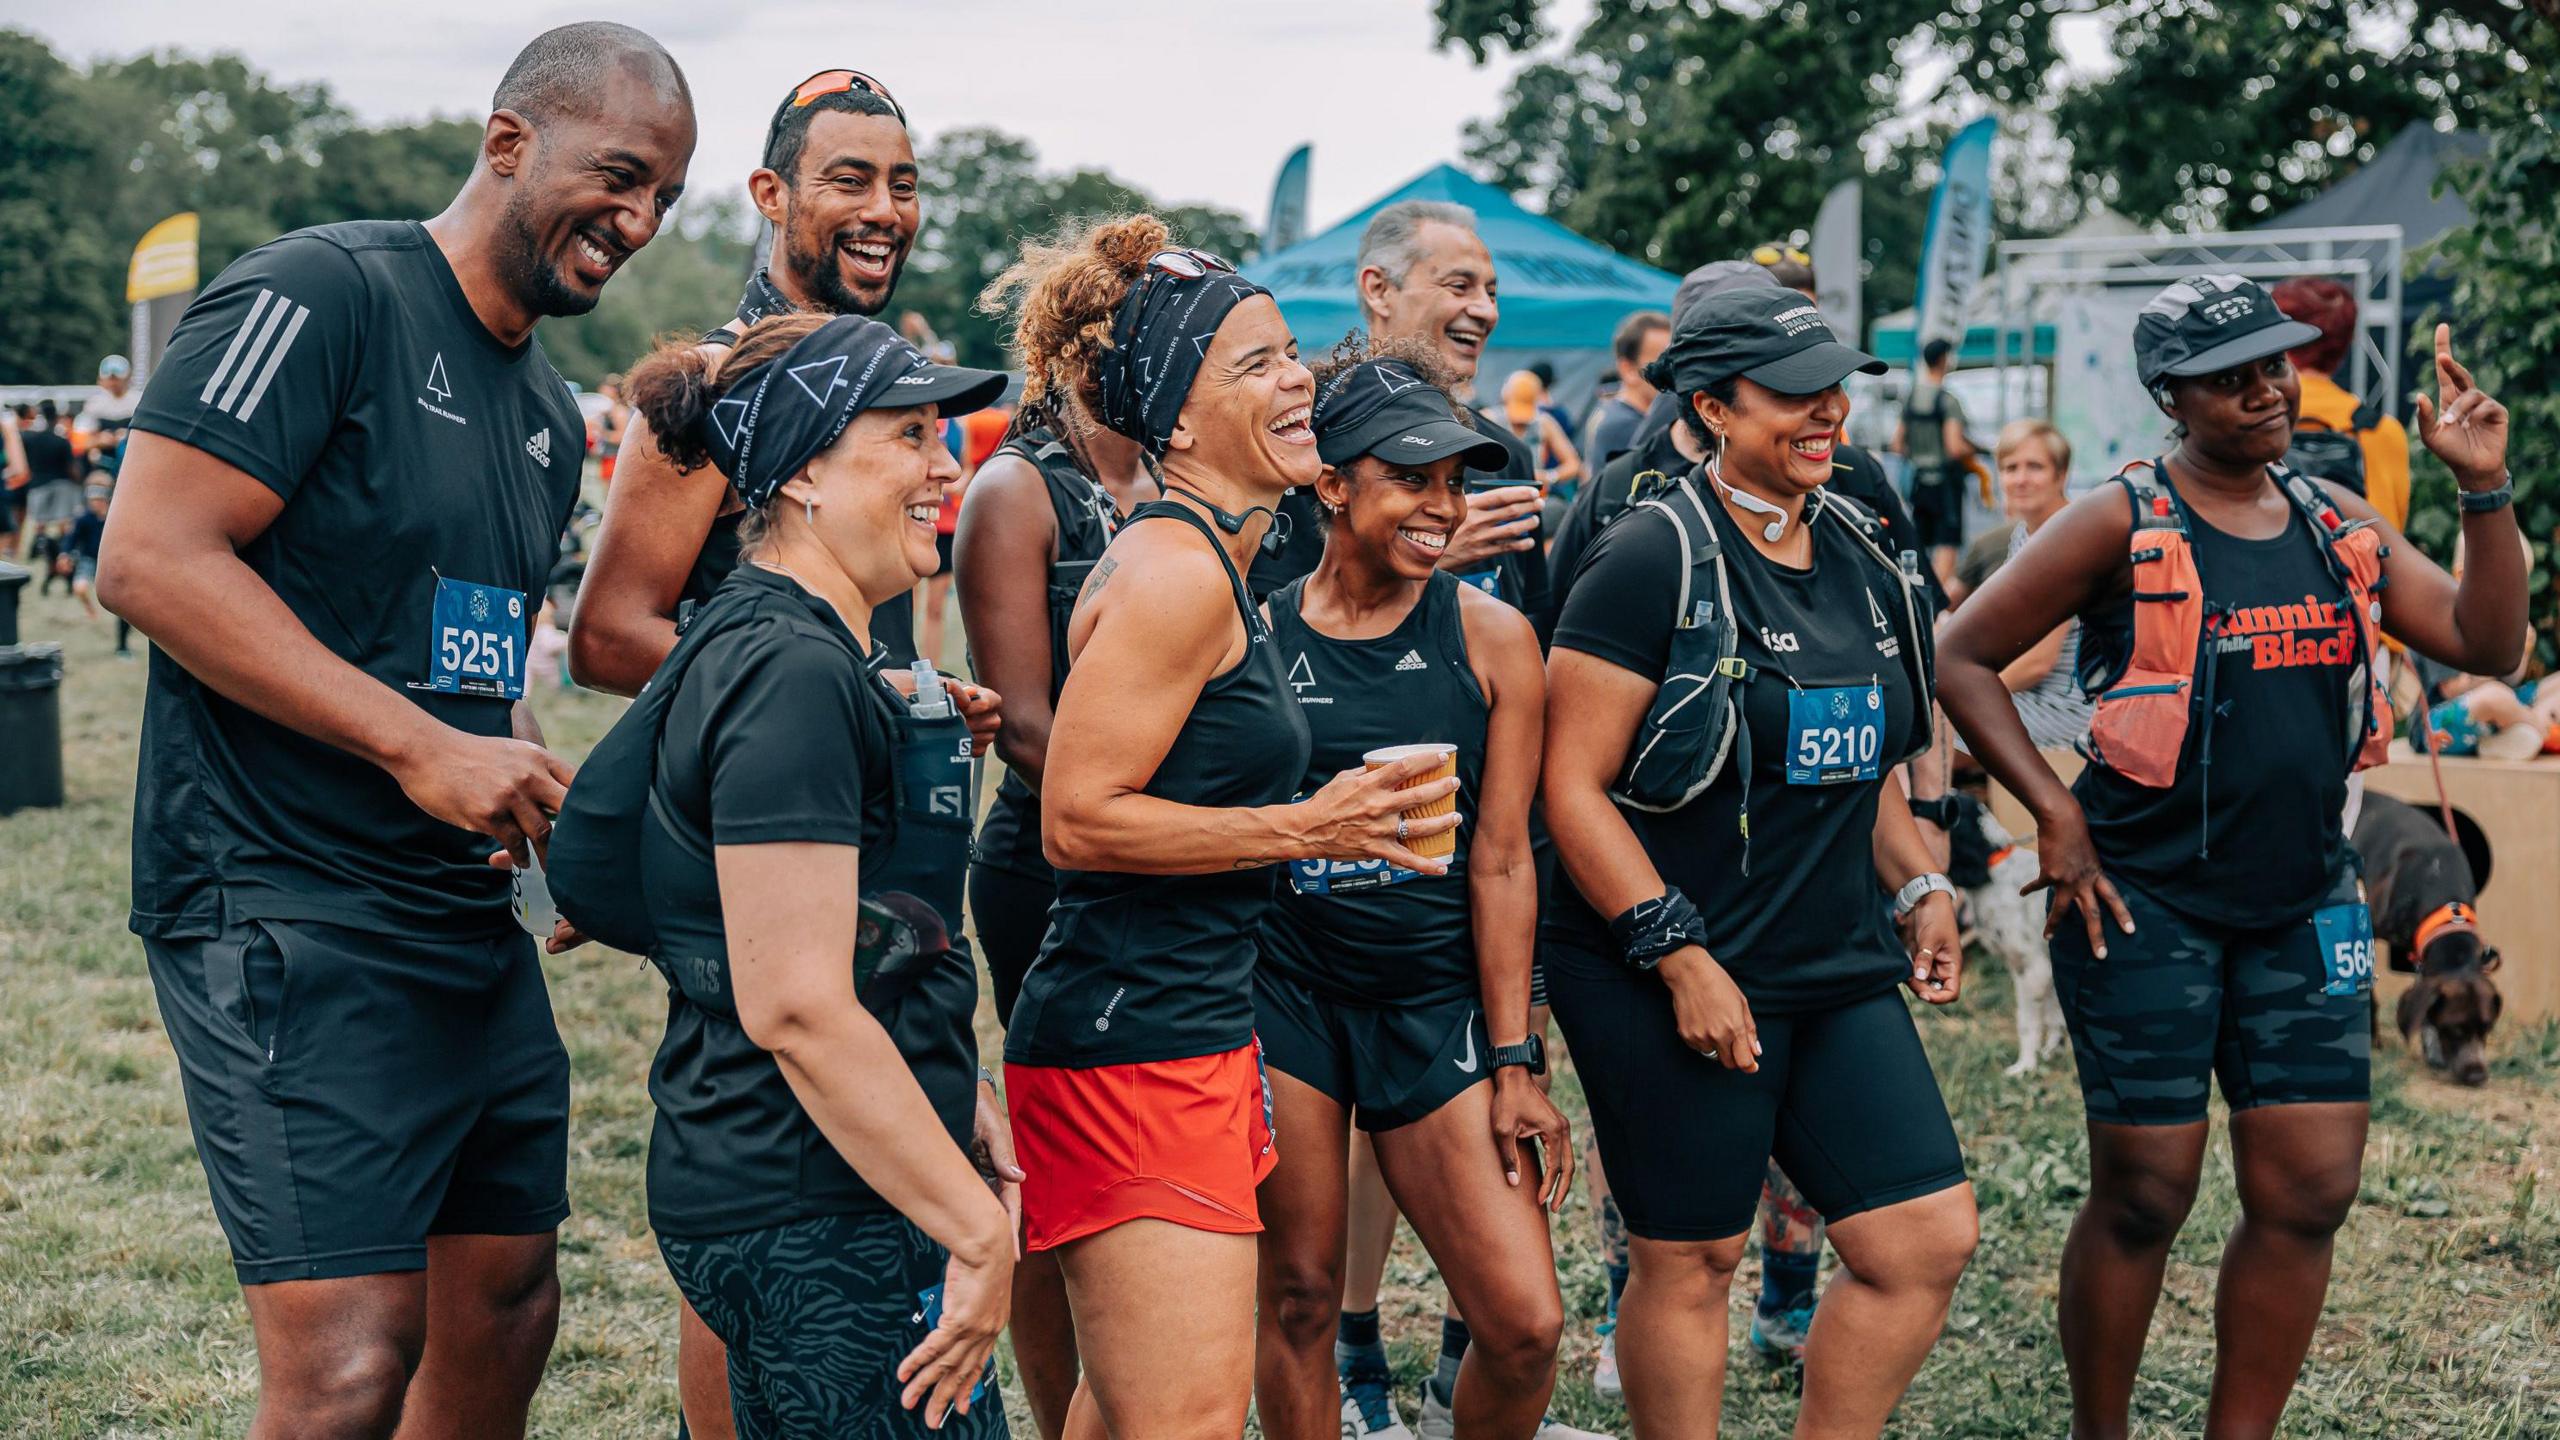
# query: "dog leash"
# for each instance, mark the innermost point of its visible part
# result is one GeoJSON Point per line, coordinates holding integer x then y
{"type": "Point", "coordinates": [2424, 724]}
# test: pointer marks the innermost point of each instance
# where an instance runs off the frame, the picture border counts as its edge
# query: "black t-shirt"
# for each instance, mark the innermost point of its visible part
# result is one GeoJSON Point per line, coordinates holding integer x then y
{"type": "Point", "coordinates": [426, 472]}
{"type": "Point", "coordinates": [778, 733]}
{"type": "Point", "coordinates": [1367, 932]}
{"type": "Point", "coordinates": [1805, 927]}
{"type": "Point", "coordinates": [1614, 431]}
{"type": "Point", "coordinates": [48, 457]}
{"type": "Point", "coordinates": [2252, 839]}
{"type": "Point", "coordinates": [1854, 473]}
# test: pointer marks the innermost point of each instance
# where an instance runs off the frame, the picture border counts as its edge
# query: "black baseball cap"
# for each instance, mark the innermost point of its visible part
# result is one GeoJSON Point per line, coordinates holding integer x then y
{"type": "Point", "coordinates": [1388, 409]}
{"type": "Point", "coordinates": [2208, 323]}
{"type": "Point", "coordinates": [1772, 336]}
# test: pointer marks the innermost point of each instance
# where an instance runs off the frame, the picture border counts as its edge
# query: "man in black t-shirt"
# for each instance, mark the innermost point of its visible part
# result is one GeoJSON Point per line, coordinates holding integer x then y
{"type": "Point", "coordinates": [334, 521]}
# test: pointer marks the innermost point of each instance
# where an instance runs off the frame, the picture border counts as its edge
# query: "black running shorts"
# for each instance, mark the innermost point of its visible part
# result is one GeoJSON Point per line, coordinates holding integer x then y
{"type": "Point", "coordinates": [353, 1092]}
{"type": "Point", "coordinates": [817, 1315]}
{"type": "Point", "coordinates": [1389, 1066]}
{"type": "Point", "coordinates": [1844, 1101]}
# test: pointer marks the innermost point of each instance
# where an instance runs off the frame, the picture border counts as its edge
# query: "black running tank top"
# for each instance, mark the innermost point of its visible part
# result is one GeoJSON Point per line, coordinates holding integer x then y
{"type": "Point", "coordinates": [1367, 932]}
{"type": "Point", "coordinates": [1160, 967]}
{"type": "Point", "coordinates": [1087, 519]}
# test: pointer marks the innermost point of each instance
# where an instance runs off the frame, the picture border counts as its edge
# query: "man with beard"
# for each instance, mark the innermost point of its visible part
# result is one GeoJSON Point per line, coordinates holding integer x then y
{"type": "Point", "coordinates": [334, 520]}
{"type": "Point", "coordinates": [839, 185]}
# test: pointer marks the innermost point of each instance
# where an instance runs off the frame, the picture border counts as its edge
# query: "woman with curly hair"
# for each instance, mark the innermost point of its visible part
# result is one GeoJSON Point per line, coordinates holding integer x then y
{"type": "Point", "coordinates": [1166, 801]}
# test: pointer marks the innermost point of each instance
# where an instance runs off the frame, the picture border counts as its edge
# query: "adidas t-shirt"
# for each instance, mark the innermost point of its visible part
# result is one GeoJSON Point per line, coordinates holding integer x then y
{"type": "Point", "coordinates": [343, 368]}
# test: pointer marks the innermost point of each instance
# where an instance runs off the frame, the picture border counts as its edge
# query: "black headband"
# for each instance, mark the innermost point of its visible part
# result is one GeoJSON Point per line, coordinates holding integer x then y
{"type": "Point", "coordinates": [780, 415]}
{"type": "Point", "coordinates": [1159, 340]}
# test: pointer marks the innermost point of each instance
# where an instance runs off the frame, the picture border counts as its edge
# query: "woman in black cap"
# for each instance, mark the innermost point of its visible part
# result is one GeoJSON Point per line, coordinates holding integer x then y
{"type": "Point", "coordinates": [2231, 614]}
{"type": "Point", "coordinates": [1131, 1067]}
{"type": "Point", "coordinates": [807, 1177]}
{"type": "Point", "coordinates": [1740, 666]}
{"type": "Point", "coordinates": [1397, 999]}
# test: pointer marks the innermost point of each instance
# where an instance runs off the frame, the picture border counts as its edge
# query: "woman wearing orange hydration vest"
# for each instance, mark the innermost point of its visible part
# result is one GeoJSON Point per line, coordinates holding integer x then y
{"type": "Point", "coordinates": [2230, 615]}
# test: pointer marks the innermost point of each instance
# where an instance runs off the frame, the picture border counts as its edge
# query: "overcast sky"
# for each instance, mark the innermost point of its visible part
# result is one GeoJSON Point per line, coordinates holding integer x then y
{"type": "Point", "coordinates": [1193, 100]}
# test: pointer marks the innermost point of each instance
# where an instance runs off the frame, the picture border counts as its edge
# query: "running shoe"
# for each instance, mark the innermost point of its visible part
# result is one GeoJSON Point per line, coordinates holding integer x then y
{"type": "Point", "coordinates": [1439, 1424]}
{"type": "Point", "coordinates": [1781, 1341]}
{"type": "Point", "coordinates": [1604, 1372]}
{"type": "Point", "coordinates": [1369, 1413]}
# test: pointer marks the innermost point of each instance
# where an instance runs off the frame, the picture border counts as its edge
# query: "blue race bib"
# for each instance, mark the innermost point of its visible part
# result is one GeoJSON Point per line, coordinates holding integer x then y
{"type": "Point", "coordinates": [1345, 877]}
{"type": "Point", "coordinates": [1835, 735]}
{"type": "Point", "coordinates": [1488, 581]}
{"type": "Point", "coordinates": [476, 640]}
{"type": "Point", "coordinates": [2346, 947]}
{"type": "Point", "coordinates": [929, 1316]}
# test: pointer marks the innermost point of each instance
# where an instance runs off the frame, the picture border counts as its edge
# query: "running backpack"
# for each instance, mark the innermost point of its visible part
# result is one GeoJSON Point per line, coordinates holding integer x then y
{"type": "Point", "coordinates": [2144, 709]}
{"type": "Point", "coordinates": [1681, 745]}
{"type": "Point", "coordinates": [594, 860]}
{"type": "Point", "coordinates": [2336, 456]}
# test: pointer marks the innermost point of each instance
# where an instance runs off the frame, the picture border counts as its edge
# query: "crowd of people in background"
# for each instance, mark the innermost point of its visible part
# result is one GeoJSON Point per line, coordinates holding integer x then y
{"type": "Point", "coordinates": [1360, 713]}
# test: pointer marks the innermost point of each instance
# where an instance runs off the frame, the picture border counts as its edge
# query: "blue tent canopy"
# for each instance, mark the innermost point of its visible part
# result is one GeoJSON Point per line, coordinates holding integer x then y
{"type": "Point", "coordinates": [1559, 290]}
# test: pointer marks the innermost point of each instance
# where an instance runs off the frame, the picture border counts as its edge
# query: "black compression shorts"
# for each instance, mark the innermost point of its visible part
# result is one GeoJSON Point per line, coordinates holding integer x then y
{"type": "Point", "coordinates": [1844, 1101]}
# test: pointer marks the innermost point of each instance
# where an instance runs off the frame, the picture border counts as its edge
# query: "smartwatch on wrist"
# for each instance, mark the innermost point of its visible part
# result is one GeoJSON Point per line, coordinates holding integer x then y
{"type": "Point", "coordinates": [2481, 502]}
{"type": "Point", "coordinates": [1531, 1053]}
{"type": "Point", "coordinates": [1921, 888]}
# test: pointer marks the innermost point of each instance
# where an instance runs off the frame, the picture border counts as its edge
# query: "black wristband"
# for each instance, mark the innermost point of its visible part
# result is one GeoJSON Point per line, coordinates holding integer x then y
{"type": "Point", "coordinates": [2481, 502]}
{"type": "Point", "coordinates": [1940, 812]}
{"type": "Point", "coordinates": [1651, 929]}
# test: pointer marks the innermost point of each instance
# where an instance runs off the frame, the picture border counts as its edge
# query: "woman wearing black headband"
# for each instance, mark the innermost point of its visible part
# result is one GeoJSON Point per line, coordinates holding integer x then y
{"type": "Point", "coordinates": [1131, 1067]}
{"type": "Point", "coordinates": [808, 1176]}
{"type": "Point", "coordinates": [1395, 998]}
{"type": "Point", "coordinates": [1739, 666]}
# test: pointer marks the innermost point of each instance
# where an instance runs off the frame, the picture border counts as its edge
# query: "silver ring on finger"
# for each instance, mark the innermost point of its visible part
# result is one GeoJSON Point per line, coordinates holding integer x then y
{"type": "Point", "coordinates": [1402, 824]}
{"type": "Point", "coordinates": [1709, 1053]}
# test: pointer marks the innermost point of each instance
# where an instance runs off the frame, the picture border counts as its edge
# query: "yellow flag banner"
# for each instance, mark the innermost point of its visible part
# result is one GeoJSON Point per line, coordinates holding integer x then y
{"type": "Point", "coordinates": [165, 262]}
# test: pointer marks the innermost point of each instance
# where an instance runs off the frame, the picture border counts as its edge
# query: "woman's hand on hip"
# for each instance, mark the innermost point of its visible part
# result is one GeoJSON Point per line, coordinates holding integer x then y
{"type": "Point", "coordinates": [2069, 866]}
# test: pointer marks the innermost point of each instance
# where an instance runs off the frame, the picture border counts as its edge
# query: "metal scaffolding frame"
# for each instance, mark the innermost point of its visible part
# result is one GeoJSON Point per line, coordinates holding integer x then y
{"type": "Point", "coordinates": [2368, 257]}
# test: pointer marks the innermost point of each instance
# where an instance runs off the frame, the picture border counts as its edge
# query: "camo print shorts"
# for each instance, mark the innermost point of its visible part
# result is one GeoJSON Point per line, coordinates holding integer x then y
{"type": "Point", "coordinates": [817, 1314]}
{"type": "Point", "coordinates": [2180, 1001]}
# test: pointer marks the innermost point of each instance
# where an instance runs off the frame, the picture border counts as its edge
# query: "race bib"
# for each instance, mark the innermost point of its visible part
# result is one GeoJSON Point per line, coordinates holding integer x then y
{"type": "Point", "coordinates": [2346, 947]}
{"type": "Point", "coordinates": [1345, 877]}
{"type": "Point", "coordinates": [1489, 581]}
{"type": "Point", "coordinates": [928, 1317]}
{"type": "Point", "coordinates": [1835, 734]}
{"type": "Point", "coordinates": [476, 640]}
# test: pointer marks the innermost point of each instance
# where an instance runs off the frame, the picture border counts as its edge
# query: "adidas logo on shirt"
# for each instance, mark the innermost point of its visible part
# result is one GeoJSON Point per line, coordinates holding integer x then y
{"type": "Point", "coordinates": [1412, 661]}
{"type": "Point", "coordinates": [256, 352]}
{"type": "Point", "coordinates": [538, 445]}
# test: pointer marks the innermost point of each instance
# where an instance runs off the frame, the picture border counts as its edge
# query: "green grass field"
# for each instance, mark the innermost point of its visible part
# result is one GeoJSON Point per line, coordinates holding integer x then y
{"type": "Point", "coordinates": [119, 1316]}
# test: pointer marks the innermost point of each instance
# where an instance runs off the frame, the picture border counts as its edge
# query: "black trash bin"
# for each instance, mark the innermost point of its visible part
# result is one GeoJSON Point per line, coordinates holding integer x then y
{"type": "Point", "coordinates": [13, 578]}
{"type": "Point", "coordinates": [30, 725]}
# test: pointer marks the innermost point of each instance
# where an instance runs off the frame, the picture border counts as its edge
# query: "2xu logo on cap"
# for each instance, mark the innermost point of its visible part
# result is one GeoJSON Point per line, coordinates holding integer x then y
{"type": "Point", "coordinates": [2224, 311]}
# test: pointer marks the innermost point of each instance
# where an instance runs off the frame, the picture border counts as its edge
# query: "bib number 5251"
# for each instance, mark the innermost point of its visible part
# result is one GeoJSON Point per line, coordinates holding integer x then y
{"type": "Point", "coordinates": [476, 640]}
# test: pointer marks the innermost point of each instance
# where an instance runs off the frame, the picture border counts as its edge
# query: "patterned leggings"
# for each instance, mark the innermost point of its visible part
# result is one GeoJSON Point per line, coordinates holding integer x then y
{"type": "Point", "coordinates": [817, 1314]}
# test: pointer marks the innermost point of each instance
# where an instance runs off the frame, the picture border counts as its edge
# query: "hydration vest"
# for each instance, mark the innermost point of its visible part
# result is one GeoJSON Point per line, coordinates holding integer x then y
{"type": "Point", "coordinates": [1695, 720]}
{"type": "Point", "coordinates": [2146, 707]}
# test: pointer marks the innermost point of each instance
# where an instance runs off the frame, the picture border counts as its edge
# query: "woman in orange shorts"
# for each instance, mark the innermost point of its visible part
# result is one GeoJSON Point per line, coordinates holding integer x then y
{"type": "Point", "coordinates": [1132, 1072]}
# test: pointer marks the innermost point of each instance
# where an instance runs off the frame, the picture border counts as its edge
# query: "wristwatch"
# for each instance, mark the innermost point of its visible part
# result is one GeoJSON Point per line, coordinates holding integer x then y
{"type": "Point", "coordinates": [1921, 888]}
{"type": "Point", "coordinates": [1531, 1052]}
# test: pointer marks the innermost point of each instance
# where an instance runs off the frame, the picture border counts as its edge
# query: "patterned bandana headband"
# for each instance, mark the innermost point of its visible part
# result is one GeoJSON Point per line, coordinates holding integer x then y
{"type": "Point", "coordinates": [1159, 340]}
{"type": "Point", "coordinates": [779, 416]}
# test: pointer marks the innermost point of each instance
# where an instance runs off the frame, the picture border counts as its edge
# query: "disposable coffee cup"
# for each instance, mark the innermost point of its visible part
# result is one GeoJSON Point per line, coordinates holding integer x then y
{"type": "Point", "coordinates": [1444, 844]}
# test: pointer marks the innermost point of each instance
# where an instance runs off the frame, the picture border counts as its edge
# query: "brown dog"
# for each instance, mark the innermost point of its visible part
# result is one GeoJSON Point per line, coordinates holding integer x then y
{"type": "Point", "coordinates": [2419, 885]}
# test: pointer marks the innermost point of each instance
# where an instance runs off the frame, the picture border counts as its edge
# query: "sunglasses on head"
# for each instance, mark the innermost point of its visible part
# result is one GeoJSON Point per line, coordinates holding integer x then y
{"type": "Point", "coordinates": [1772, 254]}
{"type": "Point", "coordinates": [1189, 264]}
{"type": "Point", "coordinates": [836, 82]}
